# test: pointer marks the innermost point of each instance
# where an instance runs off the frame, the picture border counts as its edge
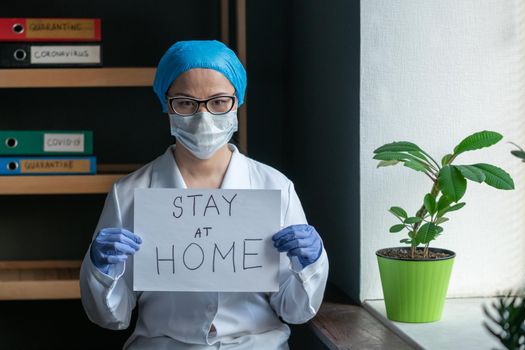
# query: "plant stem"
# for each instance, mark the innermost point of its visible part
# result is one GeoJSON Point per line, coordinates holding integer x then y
{"type": "Point", "coordinates": [452, 159]}
{"type": "Point", "coordinates": [421, 214]}
{"type": "Point", "coordinates": [428, 155]}
{"type": "Point", "coordinates": [430, 176]}
{"type": "Point", "coordinates": [425, 251]}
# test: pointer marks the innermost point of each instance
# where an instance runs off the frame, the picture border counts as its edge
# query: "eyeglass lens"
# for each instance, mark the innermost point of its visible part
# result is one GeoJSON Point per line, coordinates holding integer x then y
{"type": "Point", "coordinates": [216, 105]}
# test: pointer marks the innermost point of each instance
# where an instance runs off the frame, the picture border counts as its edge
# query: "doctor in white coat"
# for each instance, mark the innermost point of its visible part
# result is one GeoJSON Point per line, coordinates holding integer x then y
{"type": "Point", "coordinates": [200, 85]}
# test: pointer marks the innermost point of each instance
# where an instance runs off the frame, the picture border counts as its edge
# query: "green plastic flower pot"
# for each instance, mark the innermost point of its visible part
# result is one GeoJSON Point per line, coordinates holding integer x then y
{"type": "Point", "coordinates": [415, 290]}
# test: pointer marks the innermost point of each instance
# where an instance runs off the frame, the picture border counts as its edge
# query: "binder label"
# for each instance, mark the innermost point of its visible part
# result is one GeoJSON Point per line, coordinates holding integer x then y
{"type": "Point", "coordinates": [63, 142]}
{"type": "Point", "coordinates": [55, 165]}
{"type": "Point", "coordinates": [60, 28]}
{"type": "Point", "coordinates": [65, 54]}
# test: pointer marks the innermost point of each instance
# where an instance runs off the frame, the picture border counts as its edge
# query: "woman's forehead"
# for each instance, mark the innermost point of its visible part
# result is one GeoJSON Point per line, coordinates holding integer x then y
{"type": "Point", "coordinates": [200, 80]}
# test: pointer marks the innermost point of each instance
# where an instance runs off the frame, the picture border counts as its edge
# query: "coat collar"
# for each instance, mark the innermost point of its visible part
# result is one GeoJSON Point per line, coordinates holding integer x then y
{"type": "Point", "coordinates": [166, 173]}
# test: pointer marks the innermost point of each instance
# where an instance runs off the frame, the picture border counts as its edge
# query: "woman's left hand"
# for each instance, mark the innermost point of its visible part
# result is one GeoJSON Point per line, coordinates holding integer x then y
{"type": "Point", "coordinates": [301, 241]}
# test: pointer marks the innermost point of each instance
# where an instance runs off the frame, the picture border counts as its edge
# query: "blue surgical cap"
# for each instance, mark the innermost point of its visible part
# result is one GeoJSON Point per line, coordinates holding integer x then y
{"type": "Point", "coordinates": [210, 54]}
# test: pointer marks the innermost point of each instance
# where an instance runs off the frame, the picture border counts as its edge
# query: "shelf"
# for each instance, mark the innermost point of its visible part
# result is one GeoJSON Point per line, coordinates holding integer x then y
{"type": "Point", "coordinates": [109, 168]}
{"type": "Point", "coordinates": [76, 77]}
{"type": "Point", "coordinates": [57, 184]}
{"type": "Point", "coordinates": [66, 184]}
{"type": "Point", "coordinates": [43, 279]}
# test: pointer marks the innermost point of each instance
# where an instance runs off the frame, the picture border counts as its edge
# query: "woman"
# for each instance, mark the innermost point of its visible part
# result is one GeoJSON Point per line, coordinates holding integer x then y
{"type": "Point", "coordinates": [200, 85]}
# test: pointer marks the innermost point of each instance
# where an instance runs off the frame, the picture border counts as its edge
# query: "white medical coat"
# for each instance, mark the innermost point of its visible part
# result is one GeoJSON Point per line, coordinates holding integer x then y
{"type": "Point", "coordinates": [182, 320]}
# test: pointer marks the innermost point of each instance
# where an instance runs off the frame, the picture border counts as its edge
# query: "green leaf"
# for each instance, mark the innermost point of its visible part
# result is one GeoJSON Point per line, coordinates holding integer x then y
{"type": "Point", "coordinates": [426, 233]}
{"type": "Point", "coordinates": [387, 163]}
{"type": "Point", "coordinates": [441, 220]}
{"type": "Point", "coordinates": [419, 155]}
{"type": "Point", "coordinates": [452, 183]}
{"type": "Point", "coordinates": [409, 160]}
{"type": "Point", "coordinates": [401, 146]}
{"type": "Point", "coordinates": [399, 156]}
{"type": "Point", "coordinates": [456, 207]}
{"type": "Point", "coordinates": [471, 172]}
{"type": "Point", "coordinates": [406, 240]}
{"type": "Point", "coordinates": [518, 147]}
{"type": "Point", "coordinates": [438, 230]}
{"type": "Point", "coordinates": [496, 177]}
{"type": "Point", "coordinates": [519, 154]}
{"type": "Point", "coordinates": [443, 202]}
{"type": "Point", "coordinates": [397, 228]}
{"type": "Point", "coordinates": [416, 166]}
{"type": "Point", "coordinates": [451, 208]}
{"type": "Point", "coordinates": [399, 212]}
{"type": "Point", "coordinates": [430, 203]}
{"type": "Point", "coordinates": [412, 220]}
{"type": "Point", "coordinates": [445, 159]}
{"type": "Point", "coordinates": [478, 140]}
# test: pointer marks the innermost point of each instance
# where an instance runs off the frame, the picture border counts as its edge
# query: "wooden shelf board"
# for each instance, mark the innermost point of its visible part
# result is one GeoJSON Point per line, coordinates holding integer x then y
{"type": "Point", "coordinates": [118, 168]}
{"type": "Point", "coordinates": [57, 184]}
{"type": "Point", "coordinates": [32, 280]}
{"type": "Point", "coordinates": [76, 77]}
{"type": "Point", "coordinates": [39, 264]}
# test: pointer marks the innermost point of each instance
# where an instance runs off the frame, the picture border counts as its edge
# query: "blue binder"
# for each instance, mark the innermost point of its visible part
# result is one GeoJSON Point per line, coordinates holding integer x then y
{"type": "Point", "coordinates": [47, 165]}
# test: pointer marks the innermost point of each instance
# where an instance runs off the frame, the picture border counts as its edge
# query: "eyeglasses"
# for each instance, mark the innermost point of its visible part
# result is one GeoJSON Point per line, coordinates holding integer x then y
{"type": "Point", "coordinates": [187, 106]}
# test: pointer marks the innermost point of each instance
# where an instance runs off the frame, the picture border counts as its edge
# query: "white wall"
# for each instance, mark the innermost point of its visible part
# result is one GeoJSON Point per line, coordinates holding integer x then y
{"type": "Point", "coordinates": [433, 72]}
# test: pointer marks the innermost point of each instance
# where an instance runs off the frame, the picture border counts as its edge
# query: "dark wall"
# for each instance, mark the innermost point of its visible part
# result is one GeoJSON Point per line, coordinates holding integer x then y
{"type": "Point", "coordinates": [303, 119]}
{"type": "Point", "coordinates": [325, 141]}
{"type": "Point", "coordinates": [269, 81]}
{"type": "Point", "coordinates": [303, 112]}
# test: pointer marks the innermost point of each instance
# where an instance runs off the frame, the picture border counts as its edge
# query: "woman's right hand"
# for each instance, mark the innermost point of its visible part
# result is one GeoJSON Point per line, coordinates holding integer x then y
{"type": "Point", "coordinates": [113, 245]}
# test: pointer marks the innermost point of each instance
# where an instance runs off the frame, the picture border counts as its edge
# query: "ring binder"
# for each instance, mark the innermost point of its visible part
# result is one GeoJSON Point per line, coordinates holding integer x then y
{"type": "Point", "coordinates": [47, 55]}
{"type": "Point", "coordinates": [50, 29]}
{"type": "Point", "coordinates": [47, 165]}
{"type": "Point", "coordinates": [24, 142]}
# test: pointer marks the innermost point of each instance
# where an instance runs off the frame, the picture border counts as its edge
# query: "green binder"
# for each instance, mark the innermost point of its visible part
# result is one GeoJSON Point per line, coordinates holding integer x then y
{"type": "Point", "coordinates": [48, 142]}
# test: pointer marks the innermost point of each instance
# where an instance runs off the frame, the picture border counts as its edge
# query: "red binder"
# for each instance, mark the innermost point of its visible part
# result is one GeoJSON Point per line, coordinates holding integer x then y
{"type": "Point", "coordinates": [50, 29]}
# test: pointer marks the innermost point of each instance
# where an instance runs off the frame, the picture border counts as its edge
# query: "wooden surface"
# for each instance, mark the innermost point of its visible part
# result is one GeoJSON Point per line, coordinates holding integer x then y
{"type": "Point", "coordinates": [76, 77]}
{"type": "Point", "coordinates": [225, 22]}
{"type": "Point", "coordinates": [123, 168]}
{"type": "Point", "coordinates": [57, 184]}
{"type": "Point", "coordinates": [242, 54]}
{"type": "Point", "coordinates": [39, 264]}
{"type": "Point", "coordinates": [341, 325]}
{"type": "Point", "coordinates": [43, 279]}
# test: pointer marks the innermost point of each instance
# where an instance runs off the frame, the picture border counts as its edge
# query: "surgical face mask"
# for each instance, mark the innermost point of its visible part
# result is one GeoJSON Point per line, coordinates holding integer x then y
{"type": "Point", "coordinates": [203, 133]}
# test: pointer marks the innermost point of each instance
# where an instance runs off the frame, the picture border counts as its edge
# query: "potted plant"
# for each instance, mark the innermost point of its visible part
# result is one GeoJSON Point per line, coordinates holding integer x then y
{"type": "Point", "coordinates": [415, 278]}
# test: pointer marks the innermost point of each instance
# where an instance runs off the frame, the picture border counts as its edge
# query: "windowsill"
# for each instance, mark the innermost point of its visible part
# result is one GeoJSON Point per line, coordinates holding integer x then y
{"type": "Point", "coordinates": [341, 325]}
{"type": "Point", "coordinates": [461, 326]}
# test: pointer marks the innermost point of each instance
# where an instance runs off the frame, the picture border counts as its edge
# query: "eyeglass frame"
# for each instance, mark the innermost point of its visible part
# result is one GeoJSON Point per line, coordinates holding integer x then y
{"type": "Point", "coordinates": [199, 102]}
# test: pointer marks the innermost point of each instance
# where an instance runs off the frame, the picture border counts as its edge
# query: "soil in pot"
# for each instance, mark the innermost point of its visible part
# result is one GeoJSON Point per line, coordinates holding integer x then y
{"type": "Point", "coordinates": [404, 253]}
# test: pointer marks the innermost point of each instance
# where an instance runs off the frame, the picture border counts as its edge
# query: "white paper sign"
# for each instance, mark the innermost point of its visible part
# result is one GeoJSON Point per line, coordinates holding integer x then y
{"type": "Point", "coordinates": [206, 240]}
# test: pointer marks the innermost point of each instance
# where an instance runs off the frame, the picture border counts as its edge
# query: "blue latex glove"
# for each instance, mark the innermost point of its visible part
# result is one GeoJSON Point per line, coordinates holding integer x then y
{"type": "Point", "coordinates": [301, 241]}
{"type": "Point", "coordinates": [113, 245]}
